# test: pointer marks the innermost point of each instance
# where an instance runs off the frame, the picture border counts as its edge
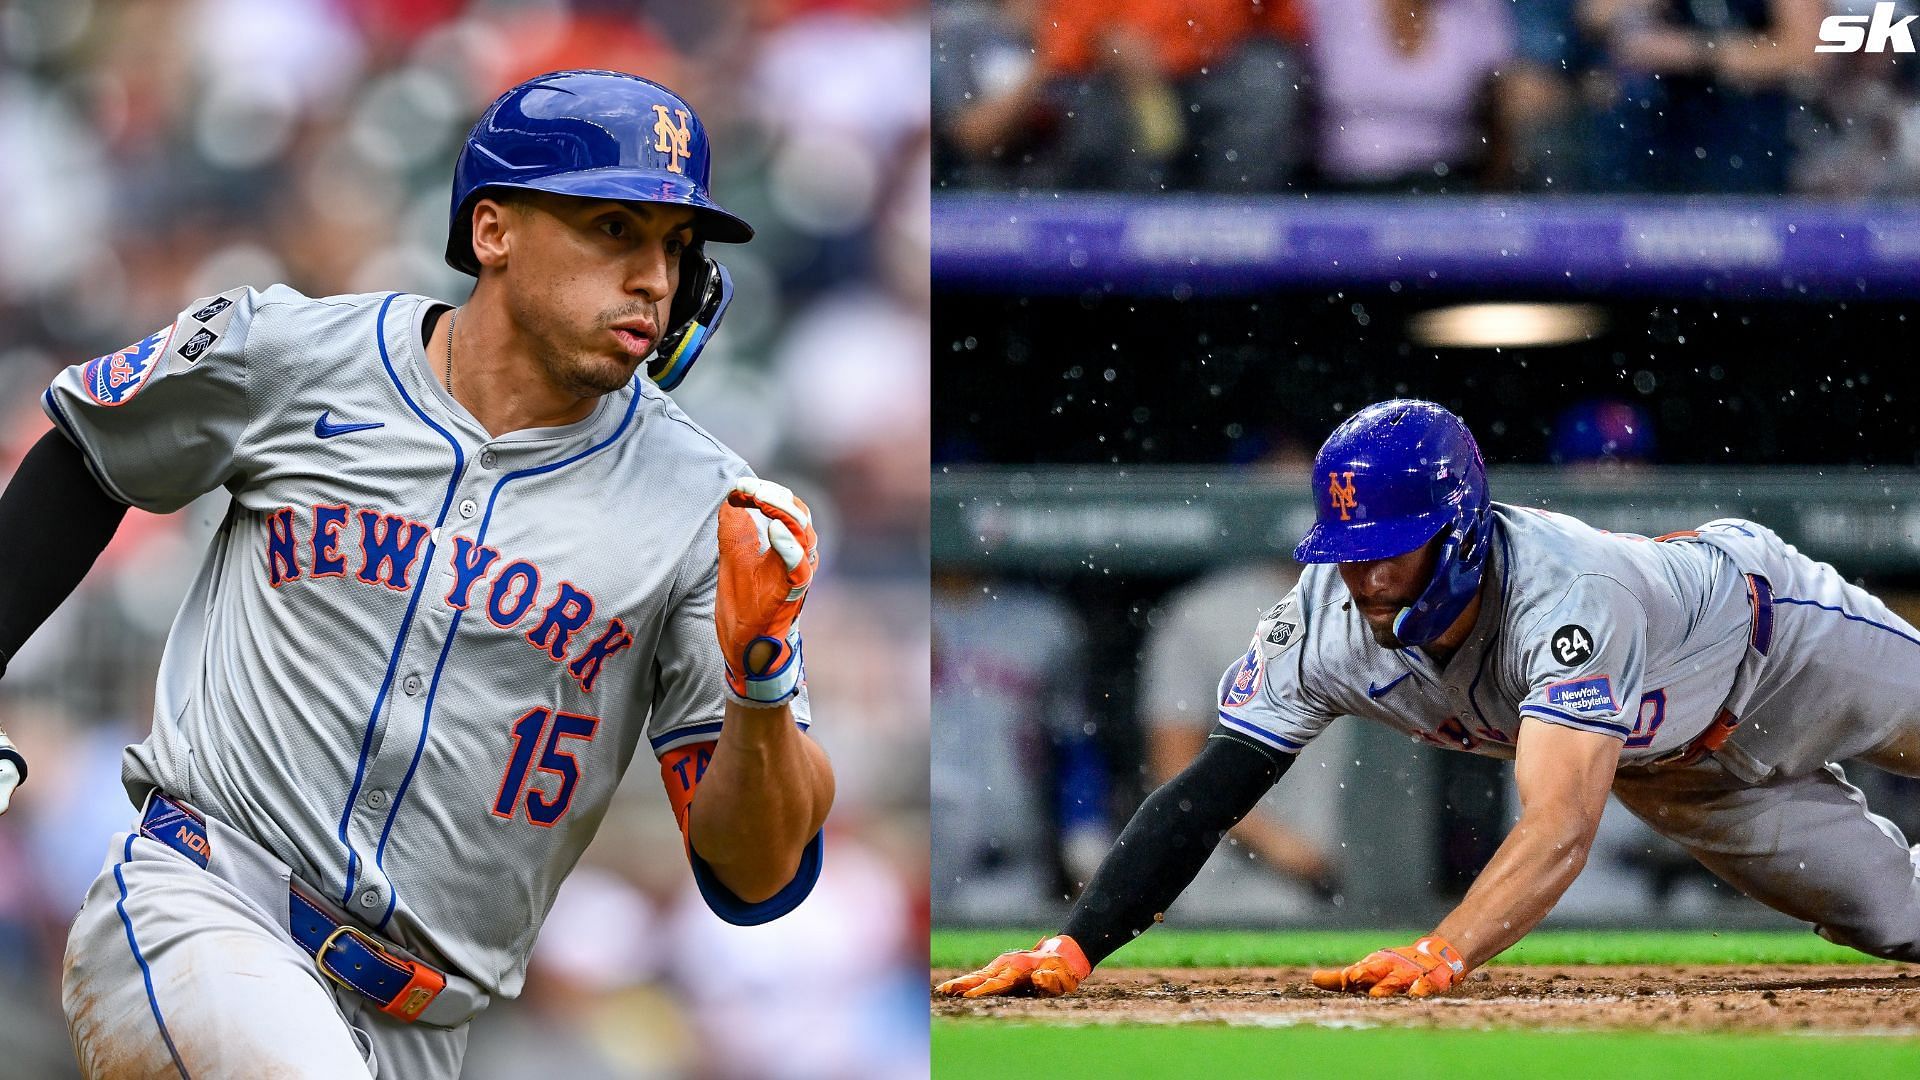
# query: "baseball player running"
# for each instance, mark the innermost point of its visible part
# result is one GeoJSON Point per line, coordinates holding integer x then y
{"type": "Point", "coordinates": [1709, 679]}
{"type": "Point", "coordinates": [472, 563]}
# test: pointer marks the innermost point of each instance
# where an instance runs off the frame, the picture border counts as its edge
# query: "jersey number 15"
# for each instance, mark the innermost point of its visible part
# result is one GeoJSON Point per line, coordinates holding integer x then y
{"type": "Point", "coordinates": [543, 728]}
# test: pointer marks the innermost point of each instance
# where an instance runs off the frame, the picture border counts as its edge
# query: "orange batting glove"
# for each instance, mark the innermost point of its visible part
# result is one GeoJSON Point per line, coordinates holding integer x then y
{"type": "Point", "coordinates": [1053, 967]}
{"type": "Point", "coordinates": [1428, 966]}
{"type": "Point", "coordinates": [768, 552]}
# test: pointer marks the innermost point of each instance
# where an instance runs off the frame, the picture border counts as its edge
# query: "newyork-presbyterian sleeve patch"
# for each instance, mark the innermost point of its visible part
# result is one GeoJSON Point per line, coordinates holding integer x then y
{"type": "Point", "coordinates": [1589, 696]}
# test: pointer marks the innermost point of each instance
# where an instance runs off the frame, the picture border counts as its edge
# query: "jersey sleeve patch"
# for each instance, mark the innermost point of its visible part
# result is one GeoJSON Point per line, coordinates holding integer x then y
{"type": "Point", "coordinates": [1572, 645]}
{"type": "Point", "coordinates": [115, 378]}
{"type": "Point", "coordinates": [1279, 629]}
{"type": "Point", "coordinates": [1246, 679]}
{"type": "Point", "coordinates": [1592, 696]}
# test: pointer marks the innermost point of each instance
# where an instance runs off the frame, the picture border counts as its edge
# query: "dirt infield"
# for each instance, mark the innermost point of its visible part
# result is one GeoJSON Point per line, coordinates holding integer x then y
{"type": "Point", "coordinates": [1880, 999]}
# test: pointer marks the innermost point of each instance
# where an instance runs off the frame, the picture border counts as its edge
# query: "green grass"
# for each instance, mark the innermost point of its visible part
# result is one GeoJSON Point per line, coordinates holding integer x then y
{"type": "Point", "coordinates": [978, 1048]}
{"type": "Point", "coordinates": [1294, 948]}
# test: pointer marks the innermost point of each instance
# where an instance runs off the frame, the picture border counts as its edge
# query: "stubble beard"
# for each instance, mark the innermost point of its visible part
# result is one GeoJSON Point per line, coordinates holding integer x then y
{"type": "Point", "coordinates": [586, 374]}
{"type": "Point", "coordinates": [1383, 636]}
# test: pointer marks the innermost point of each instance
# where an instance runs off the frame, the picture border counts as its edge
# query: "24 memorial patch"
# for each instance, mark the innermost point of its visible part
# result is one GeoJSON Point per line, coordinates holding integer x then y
{"type": "Point", "coordinates": [1572, 645]}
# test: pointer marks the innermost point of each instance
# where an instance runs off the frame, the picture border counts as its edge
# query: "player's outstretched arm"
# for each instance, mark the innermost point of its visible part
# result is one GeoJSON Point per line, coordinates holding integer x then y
{"type": "Point", "coordinates": [52, 485]}
{"type": "Point", "coordinates": [1157, 856]}
{"type": "Point", "coordinates": [1563, 776]}
{"type": "Point", "coordinates": [767, 790]}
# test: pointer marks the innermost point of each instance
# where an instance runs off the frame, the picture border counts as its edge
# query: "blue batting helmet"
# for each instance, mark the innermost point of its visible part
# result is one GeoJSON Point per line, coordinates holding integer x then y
{"type": "Point", "coordinates": [606, 135]}
{"type": "Point", "coordinates": [1390, 479]}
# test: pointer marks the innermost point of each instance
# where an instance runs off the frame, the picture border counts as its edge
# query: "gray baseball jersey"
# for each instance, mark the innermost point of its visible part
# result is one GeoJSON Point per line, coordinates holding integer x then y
{"type": "Point", "coordinates": [1603, 632]}
{"type": "Point", "coordinates": [1651, 642]}
{"type": "Point", "coordinates": [418, 657]}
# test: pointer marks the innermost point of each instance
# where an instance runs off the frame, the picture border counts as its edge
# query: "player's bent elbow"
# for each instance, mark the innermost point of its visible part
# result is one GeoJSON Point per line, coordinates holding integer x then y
{"type": "Point", "coordinates": [758, 884]}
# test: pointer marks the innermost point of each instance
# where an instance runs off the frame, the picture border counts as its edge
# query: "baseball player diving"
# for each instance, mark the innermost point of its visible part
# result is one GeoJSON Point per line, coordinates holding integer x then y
{"type": "Point", "coordinates": [1709, 679]}
{"type": "Point", "coordinates": [474, 560]}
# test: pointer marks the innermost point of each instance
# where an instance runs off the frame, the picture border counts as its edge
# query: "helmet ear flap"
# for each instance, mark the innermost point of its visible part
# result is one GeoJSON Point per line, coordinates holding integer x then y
{"type": "Point", "coordinates": [701, 301]}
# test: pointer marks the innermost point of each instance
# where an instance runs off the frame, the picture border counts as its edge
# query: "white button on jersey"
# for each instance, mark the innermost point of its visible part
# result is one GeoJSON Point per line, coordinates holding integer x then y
{"type": "Point", "coordinates": [468, 508]}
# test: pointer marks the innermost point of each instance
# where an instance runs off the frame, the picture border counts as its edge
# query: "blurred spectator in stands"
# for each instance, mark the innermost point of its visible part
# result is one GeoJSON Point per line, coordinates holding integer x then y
{"type": "Point", "coordinates": [1129, 95]}
{"type": "Point", "coordinates": [1406, 92]}
{"type": "Point", "coordinates": [1867, 141]}
{"type": "Point", "coordinates": [1550, 98]}
{"type": "Point", "coordinates": [1276, 861]}
{"type": "Point", "coordinates": [850, 965]}
{"type": "Point", "coordinates": [1602, 433]}
{"type": "Point", "coordinates": [1708, 90]}
{"type": "Point", "coordinates": [1018, 790]}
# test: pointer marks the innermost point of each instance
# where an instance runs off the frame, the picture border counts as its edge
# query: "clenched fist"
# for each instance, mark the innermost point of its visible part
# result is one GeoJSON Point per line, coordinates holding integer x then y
{"type": "Point", "coordinates": [768, 552]}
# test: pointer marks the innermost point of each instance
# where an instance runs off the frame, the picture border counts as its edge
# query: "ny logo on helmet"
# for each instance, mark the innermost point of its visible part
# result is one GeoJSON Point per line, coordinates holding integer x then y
{"type": "Point", "coordinates": [675, 142]}
{"type": "Point", "coordinates": [1342, 496]}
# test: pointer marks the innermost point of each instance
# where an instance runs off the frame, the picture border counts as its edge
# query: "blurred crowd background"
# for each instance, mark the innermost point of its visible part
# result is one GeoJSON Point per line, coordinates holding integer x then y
{"type": "Point", "coordinates": [1418, 96]}
{"type": "Point", "coordinates": [153, 151]}
{"type": "Point", "coordinates": [1096, 437]}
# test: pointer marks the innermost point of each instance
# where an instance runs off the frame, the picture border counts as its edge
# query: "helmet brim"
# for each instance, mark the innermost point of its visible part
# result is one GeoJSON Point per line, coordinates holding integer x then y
{"type": "Point", "coordinates": [717, 223]}
{"type": "Point", "coordinates": [713, 221]}
{"type": "Point", "coordinates": [1365, 541]}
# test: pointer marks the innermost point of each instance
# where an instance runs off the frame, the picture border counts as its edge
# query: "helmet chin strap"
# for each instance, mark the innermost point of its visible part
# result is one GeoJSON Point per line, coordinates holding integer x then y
{"type": "Point", "coordinates": [696, 312]}
{"type": "Point", "coordinates": [1451, 590]}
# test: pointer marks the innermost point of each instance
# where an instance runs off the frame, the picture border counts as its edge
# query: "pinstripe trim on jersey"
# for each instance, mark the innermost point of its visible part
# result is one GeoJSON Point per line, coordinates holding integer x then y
{"type": "Point", "coordinates": [1845, 614]}
{"type": "Point", "coordinates": [696, 732]}
{"type": "Point", "coordinates": [146, 973]}
{"type": "Point", "coordinates": [406, 621]}
{"type": "Point", "coordinates": [453, 628]}
{"type": "Point", "coordinates": [1560, 716]}
{"type": "Point", "coordinates": [1273, 739]}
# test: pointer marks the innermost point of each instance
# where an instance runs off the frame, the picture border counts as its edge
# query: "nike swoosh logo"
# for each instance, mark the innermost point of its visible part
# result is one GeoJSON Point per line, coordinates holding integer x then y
{"type": "Point", "coordinates": [326, 429]}
{"type": "Point", "coordinates": [1377, 692]}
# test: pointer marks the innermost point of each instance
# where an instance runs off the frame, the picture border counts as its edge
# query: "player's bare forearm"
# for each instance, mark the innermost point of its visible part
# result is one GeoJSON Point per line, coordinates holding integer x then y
{"type": "Point", "coordinates": [1563, 776]}
{"type": "Point", "coordinates": [764, 795]}
{"type": "Point", "coordinates": [1525, 878]}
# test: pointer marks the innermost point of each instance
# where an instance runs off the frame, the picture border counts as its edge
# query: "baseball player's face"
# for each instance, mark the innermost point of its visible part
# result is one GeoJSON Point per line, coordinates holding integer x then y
{"type": "Point", "coordinates": [592, 281]}
{"type": "Point", "coordinates": [1382, 587]}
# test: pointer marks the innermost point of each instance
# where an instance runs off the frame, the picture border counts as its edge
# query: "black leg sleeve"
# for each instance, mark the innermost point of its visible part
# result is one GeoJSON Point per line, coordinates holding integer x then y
{"type": "Point", "coordinates": [1163, 848]}
{"type": "Point", "coordinates": [55, 520]}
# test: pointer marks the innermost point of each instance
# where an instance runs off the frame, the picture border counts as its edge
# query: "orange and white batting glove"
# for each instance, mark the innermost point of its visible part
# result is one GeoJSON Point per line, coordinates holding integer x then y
{"type": "Point", "coordinates": [1051, 968]}
{"type": "Point", "coordinates": [1428, 966]}
{"type": "Point", "coordinates": [768, 552]}
{"type": "Point", "coordinates": [13, 770]}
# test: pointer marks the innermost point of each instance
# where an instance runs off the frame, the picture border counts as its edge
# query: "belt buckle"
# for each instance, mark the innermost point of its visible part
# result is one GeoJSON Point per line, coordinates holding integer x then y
{"type": "Point", "coordinates": [423, 982]}
{"type": "Point", "coordinates": [320, 957]}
